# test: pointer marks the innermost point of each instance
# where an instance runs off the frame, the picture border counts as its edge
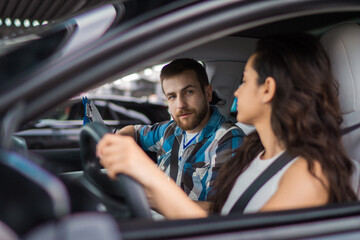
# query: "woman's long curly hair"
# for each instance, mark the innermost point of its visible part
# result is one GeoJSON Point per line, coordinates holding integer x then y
{"type": "Point", "coordinates": [305, 115]}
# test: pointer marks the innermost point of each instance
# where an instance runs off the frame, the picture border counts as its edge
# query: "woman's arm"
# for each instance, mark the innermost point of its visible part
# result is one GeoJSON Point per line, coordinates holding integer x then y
{"type": "Point", "coordinates": [127, 131]}
{"type": "Point", "coordinates": [121, 154]}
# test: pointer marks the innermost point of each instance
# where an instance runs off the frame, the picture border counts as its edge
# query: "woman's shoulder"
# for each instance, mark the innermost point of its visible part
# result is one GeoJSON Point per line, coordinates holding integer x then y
{"type": "Point", "coordinates": [301, 168]}
{"type": "Point", "coordinates": [303, 176]}
{"type": "Point", "coordinates": [299, 188]}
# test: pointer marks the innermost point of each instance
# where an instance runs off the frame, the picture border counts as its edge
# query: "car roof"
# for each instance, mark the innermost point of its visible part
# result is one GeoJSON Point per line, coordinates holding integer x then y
{"type": "Point", "coordinates": [117, 53]}
{"type": "Point", "coordinates": [19, 17]}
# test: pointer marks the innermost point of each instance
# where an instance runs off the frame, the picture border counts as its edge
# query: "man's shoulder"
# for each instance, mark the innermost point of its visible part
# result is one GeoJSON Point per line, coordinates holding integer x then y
{"type": "Point", "coordinates": [222, 126]}
{"type": "Point", "coordinates": [229, 126]}
{"type": "Point", "coordinates": [226, 130]}
{"type": "Point", "coordinates": [170, 127]}
{"type": "Point", "coordinates": [162, 127]}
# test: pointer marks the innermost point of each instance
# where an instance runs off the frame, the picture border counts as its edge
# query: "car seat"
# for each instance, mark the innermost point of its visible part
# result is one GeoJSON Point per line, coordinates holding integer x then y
{"type": "Point", "coordinates": [29, 195]}
{"type": "Point", "coordinates": [6, 233]}
{"type": "Point", "coordinates": [88, 225]}
{"type": "Point", "coordinates": [342, 43]}
{"type": "Point", "coordinates": [35, 205]}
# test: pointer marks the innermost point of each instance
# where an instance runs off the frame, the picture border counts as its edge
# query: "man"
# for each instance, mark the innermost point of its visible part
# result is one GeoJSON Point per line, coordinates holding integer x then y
{"type": "Point", "coordinates": [192, 147]}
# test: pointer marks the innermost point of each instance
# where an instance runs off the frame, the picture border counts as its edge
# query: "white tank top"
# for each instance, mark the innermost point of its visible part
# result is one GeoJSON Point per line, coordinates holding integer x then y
{"type": "Point", "coordinates": [263, 195]}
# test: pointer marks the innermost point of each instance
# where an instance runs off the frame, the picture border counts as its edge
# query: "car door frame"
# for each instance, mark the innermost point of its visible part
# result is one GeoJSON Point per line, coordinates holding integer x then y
{"type": "Point", "coordinates": [176, 32]}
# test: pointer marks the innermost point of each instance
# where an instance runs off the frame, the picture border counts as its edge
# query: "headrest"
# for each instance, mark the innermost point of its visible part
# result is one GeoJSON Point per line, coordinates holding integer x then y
{"type": "Point", "coordinates": [217, 100]}
{"type": "Point", "coordinates": [342, 44]}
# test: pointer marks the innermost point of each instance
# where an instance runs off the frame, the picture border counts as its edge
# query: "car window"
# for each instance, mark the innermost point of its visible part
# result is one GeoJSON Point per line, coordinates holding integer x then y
{"type": "Point", "coordinates": [133, 99]}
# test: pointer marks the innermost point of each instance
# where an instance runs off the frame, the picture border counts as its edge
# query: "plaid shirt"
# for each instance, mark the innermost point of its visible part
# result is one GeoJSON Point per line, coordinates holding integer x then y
{"type": "Point", "coordinates": [197, 170]}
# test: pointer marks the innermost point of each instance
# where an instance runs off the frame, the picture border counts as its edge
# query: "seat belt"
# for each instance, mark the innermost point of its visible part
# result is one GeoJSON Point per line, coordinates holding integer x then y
{"type": "Point", "coordinates": [174, 159]}
{"type": "Point", "coordinates": [350, 129]}
{"type": "Point", "coordinates": [269, 172]}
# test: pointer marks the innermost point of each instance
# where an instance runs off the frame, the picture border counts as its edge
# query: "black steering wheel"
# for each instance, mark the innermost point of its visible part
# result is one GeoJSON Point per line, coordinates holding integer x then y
{"type": "Point", "coordinates": [124, 190]}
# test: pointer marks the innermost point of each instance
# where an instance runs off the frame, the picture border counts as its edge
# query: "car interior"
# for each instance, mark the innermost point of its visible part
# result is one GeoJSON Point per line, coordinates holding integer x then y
{"type": "Point", "coordinates": [341, 44]}
{"type": "Point", "coordinates": [84, 200]}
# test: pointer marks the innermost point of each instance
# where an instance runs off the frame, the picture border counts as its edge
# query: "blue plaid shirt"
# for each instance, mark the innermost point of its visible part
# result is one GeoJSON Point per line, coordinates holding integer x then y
{"type": "Point", "coordinates": [197, 170]}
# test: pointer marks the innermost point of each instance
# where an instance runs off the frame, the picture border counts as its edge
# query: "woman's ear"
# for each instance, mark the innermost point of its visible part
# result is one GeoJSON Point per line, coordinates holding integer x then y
{"type": "Point", "coordinates": [269, 89]}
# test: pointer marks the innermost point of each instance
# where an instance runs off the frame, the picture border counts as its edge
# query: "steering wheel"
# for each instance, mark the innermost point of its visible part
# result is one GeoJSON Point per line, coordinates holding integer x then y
{"type": "Point", "coordinates": [123, 189]}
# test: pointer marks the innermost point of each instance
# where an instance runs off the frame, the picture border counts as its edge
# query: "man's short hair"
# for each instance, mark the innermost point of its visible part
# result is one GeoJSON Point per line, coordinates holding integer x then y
{"type": "Point", "coordinates": [180, 65]}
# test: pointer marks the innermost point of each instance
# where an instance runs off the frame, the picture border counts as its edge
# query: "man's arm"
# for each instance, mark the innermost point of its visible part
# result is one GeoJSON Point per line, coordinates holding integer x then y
{"type": "Point", "coordinates": [127, 131]}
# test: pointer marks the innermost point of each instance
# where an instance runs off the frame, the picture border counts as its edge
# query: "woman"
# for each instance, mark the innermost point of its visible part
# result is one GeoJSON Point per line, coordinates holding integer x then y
{"type": "Point", "coordinates": [288, 94]}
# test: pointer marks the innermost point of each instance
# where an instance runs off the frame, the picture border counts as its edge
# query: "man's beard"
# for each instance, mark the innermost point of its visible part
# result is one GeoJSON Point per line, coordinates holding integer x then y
{"type": "Point", "coordinates": [195, 119]}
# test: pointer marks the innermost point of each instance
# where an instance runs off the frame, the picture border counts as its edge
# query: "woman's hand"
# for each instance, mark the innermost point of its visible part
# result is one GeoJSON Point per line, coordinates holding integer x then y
{"type": "Point", "coordinates": [121, 154]}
